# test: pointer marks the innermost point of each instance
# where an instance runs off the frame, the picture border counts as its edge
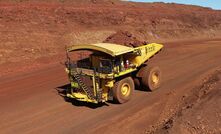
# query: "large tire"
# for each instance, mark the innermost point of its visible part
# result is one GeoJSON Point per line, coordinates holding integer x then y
{"type": "Point", "coordinates": [150, 77]}
{"type": "Point", "coordinates": [123, 90]}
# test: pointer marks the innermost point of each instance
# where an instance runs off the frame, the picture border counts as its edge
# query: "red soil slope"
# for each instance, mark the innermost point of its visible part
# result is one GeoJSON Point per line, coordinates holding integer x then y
{"type": "Point", "coordinates": [31, 30]}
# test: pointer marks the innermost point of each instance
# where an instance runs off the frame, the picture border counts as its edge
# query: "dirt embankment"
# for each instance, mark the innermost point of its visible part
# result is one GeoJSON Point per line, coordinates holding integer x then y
{"type": "Point", "coordinates": [200, 111]}
{"type": "Point", "coordinates": [31, 30]}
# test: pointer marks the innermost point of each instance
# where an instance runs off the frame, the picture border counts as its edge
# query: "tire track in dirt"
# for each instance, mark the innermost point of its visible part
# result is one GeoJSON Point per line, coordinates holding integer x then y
{"type": "Point", "coordinates": [31, 104]}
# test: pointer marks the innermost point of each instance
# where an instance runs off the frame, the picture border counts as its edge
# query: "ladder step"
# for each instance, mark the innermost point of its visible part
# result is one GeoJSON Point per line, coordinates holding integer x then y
{"type": "Point", "coordinates": [82, 85]}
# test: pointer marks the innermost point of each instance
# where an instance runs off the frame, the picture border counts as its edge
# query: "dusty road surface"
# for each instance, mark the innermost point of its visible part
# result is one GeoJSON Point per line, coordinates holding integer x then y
{"type": "Point", "coordinates": [30, 102]}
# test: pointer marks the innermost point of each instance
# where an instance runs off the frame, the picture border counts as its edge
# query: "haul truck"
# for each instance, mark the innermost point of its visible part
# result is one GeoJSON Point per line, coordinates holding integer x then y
{"type": "Point", "coordinates": [111, 71]}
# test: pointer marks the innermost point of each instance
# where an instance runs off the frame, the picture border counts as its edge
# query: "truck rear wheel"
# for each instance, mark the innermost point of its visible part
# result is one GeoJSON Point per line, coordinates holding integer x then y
{"type": "Point", "coordinates": [123, 90]}
{"type": "Point", "coordinates": [150, 77]}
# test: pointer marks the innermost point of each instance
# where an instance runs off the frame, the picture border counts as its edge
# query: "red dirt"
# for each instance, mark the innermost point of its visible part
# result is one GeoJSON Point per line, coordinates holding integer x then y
{"type": "Point", "coordinates": [30, 102]}
{"type": "Point", "coordinates": [30, 30]}
{"type": "Point", "coordinates": [33, 36]}
{"type": "Point", "coordinates": [124, 38]}
{"type": "Point", "coordinates": [201, 108]}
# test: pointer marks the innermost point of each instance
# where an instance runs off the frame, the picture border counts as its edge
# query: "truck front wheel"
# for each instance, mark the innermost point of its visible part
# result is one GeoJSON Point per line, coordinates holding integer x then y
{"type": "Point", "coordinates": [123, 90]}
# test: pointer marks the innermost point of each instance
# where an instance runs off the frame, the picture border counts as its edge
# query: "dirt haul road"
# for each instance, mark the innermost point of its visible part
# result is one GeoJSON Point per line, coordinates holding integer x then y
{"type": "Point", "coordinates": [30, 103]}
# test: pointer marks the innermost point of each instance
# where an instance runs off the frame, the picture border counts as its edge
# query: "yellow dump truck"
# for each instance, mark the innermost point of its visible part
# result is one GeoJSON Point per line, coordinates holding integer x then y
{"type": "Point", "coordinates": [110, 71]}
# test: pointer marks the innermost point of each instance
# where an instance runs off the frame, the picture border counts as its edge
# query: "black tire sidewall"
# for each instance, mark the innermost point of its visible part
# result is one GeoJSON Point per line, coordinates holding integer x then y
{"type": "Point", "coordinates": [118, 96]}
{"type": "Point", "coordinates": [149, 73]}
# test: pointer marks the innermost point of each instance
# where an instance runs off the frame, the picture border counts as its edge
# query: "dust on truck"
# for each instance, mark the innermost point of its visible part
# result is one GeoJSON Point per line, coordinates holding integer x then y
{"type": "Point", "coordinates": [111, 71]}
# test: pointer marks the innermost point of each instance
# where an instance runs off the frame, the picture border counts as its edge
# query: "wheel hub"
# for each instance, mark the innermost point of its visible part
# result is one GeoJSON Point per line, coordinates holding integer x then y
{"type": "Point", "coordinates": [155, 78]}
{"type": "Point", "coordinates": [125, 89]}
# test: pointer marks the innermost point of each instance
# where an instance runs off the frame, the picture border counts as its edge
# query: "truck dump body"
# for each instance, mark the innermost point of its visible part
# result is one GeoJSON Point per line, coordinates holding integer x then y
{"type": "Point", "coordinates": [144, 52]}
{"type": "Point", "coordinates": [108, 48]}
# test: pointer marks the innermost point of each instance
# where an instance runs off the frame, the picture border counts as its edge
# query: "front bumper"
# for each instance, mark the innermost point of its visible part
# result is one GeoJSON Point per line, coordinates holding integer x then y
{"type": "Point", "coordinates": [81, 97]}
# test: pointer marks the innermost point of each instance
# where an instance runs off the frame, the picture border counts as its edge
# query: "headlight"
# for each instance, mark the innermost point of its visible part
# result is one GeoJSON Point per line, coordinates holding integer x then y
{"type": "Point", "coordinates": [67, 70]}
